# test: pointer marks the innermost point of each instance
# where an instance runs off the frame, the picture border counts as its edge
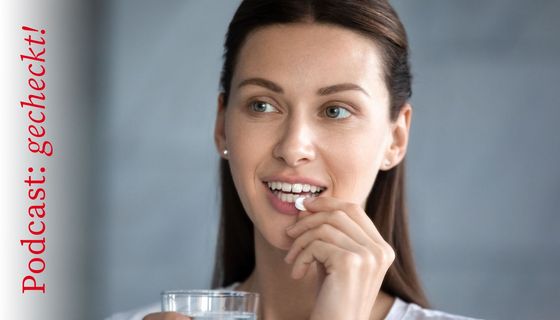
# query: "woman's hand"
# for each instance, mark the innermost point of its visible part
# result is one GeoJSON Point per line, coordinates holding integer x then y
{"type": "Point", "coordinates": [166, 316]}
{"type": "Point", "coordinates": [351, 254]}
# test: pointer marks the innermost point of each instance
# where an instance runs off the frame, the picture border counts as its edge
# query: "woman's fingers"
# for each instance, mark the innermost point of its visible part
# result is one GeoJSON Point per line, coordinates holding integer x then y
{"type": "Point", "coordinates": [166, 316]}
{"type": "Point", "coordinates": [318, 250]}
{"type": "Point", "coordinates": [340, 236]}
{"type": "Point", "coordinates": [324, 232]}
{"type": "Point", "coordinates": [335, 258]}
{"type": "Point", "coordinates": [354, 211]}
{"type": "Point", "coordinates": [337, 219]}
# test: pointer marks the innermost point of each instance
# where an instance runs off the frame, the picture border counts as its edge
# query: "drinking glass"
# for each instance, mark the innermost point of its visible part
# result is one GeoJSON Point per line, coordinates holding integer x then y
{"type": "Point", "coordinates": [212, 304]}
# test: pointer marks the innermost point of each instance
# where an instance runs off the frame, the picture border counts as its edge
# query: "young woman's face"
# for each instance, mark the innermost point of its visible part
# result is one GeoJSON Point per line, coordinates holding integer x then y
{"type": "Point", "coordinates": [309, 106]}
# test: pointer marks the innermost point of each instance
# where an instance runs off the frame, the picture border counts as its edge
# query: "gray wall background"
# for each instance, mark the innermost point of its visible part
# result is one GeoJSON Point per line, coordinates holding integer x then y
{"type": "Point", "coordinates": [483, 157]}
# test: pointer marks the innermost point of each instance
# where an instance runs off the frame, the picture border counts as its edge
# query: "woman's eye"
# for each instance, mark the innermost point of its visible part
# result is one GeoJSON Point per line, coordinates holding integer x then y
{"type": "Point", "coordinates": [336, 112]}
{"type": "Point", "coordinates": [261, 106]}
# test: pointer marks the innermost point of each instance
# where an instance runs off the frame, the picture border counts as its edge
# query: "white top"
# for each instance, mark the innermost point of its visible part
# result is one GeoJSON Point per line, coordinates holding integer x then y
{"type": "Point", "coordinates": [399, 311]}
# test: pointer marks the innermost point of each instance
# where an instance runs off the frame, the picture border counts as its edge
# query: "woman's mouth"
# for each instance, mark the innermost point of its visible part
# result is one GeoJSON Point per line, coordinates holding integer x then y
{"type": "Point", "coordinates": [282, 195]}
{"type": "Point", "coordinates": [289, 192]}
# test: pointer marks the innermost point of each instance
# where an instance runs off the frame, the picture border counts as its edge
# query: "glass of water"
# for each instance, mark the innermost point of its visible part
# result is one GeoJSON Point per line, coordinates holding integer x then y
{"type": "Point", "coordinates": [212, 304]}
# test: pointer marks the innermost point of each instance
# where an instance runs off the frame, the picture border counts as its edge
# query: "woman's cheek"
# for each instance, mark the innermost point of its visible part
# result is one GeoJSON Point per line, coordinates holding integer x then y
{"type": "Point", "coordinates": [351, 159]}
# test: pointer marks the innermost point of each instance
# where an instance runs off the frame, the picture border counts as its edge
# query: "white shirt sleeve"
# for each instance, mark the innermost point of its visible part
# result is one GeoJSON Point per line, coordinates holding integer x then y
{"type": "Point", "coordinates": [410, 311]}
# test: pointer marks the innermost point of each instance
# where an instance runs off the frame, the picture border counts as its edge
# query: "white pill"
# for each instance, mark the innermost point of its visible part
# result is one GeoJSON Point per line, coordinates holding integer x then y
{"type": "Point", "coordinates": [299, 204]}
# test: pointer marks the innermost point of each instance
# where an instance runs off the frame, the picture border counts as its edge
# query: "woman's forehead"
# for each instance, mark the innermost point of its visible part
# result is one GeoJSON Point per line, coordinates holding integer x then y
{"type": "Point", "coordinates": [310, 53]}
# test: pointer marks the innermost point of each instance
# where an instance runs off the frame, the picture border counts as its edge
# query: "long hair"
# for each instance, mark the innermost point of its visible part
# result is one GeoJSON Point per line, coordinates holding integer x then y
{"type": "Point", "coordinates": [376, 19]}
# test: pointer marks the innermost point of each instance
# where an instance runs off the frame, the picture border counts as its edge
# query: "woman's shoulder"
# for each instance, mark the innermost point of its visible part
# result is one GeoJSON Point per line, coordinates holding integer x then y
{"type": "Point", "coordinates": [402, 310]}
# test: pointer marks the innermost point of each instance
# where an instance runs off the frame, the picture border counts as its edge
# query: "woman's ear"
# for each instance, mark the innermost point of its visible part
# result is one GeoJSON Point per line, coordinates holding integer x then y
{"type": "Point", "coordinates": [219, 127]}
{"type": "Point", "coordinates": [400, 130]}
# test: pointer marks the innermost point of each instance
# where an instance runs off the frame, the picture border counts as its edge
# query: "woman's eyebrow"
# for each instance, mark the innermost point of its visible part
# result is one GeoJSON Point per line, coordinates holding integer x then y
{"type": "Point", "coordinates": [322, 91]}
{"type": "Point", "coordinates": [340, 87]}
{"type": "Point", "coordinates": [263, 83]}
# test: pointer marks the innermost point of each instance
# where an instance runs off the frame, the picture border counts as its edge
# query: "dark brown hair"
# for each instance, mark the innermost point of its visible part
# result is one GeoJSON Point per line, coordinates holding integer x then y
{"type": "Point", "coordinates": [376, 19]}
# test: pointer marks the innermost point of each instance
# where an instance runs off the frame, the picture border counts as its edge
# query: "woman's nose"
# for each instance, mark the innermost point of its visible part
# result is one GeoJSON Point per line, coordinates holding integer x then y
{"type": "Point", "coordinates": [295, 145]}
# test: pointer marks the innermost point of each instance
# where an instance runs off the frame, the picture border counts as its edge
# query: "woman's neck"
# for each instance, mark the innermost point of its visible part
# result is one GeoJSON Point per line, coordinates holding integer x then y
{"type": "Point", "coordinates": [282, 297]}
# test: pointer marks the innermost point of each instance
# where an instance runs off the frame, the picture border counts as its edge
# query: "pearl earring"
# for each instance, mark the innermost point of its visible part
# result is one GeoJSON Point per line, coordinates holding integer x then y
{"type": "Point", "coordinates": [387, 163]}
{"type": "Point", "coordinates": [225, 152]}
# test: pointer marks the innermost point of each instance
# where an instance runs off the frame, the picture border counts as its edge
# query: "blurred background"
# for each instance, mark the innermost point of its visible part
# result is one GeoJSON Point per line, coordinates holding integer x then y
{"type": "Point", "coordinates": [483, 175]}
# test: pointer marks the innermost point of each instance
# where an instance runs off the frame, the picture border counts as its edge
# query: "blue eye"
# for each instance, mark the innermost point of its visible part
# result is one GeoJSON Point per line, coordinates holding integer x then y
{"type": "Point", "coordinates": [261, 106]}
{"type": "Point", "coordinates": [336, 112]}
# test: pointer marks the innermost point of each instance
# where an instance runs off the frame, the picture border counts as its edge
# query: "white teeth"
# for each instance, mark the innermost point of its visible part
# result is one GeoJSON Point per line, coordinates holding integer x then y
{"type": "Point", "coordinates": [293, 188]}
{"type": "Point", "coordinates": [297, 188]}
{"type": "Point", "coordinates": [286, 187]}
{"type": "Point", "coordinates": [292, 198]}
{"type": "Point", "coordinates": [289, 197]}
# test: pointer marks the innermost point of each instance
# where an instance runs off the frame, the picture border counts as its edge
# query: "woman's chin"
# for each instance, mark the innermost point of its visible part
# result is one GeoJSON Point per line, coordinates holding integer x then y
{"type": "Point", "coordinates": [278, 239]}
{"type": "Point", "coordinates": [285, 243]}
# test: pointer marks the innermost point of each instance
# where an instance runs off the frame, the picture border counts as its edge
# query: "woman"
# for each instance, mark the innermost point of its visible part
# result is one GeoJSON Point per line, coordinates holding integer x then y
{"type": "Point", "coordinates": [314, 105]}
